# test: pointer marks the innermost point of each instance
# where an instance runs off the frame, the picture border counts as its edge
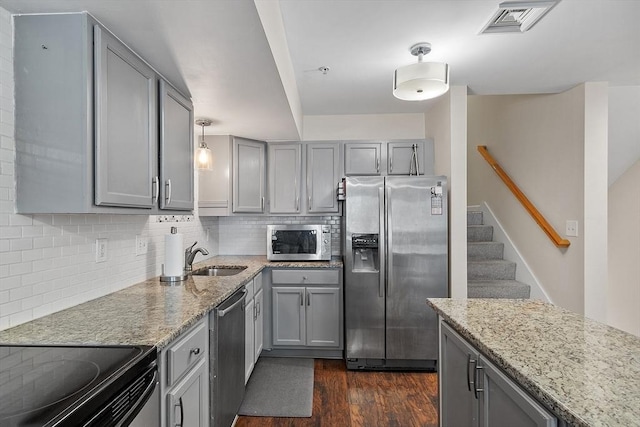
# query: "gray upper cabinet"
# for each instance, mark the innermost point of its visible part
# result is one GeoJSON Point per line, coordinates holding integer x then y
{"type": "Point", "coordinates": [402, 161]}
{"type": "Point", "coordinates": [87, 120]}
{"type": "Point", "coordinates": [285, 163]}
{"type": "Point", "coordinates": [248, 175]}
{"type": "Point", "coordinates": [362, 158]}
{"type": "Point", "coordinates": [323, 174]}
{"type": "Point", "coordinates": [126, 125]}
{"type": "Point", "coordinates": [176, 149]}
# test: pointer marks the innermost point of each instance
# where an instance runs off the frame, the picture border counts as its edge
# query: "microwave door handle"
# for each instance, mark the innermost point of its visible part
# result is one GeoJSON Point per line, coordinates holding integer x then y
{"type": "Point", "coordinates": [381, 242]}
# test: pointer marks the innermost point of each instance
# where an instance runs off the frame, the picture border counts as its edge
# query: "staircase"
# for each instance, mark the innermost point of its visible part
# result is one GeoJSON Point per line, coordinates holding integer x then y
{"type": "Point", "coordinates": [489, 275]}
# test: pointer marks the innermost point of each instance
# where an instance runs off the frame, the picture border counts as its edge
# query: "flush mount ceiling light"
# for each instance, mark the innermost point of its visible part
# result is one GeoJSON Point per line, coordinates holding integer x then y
{"type": "Point", "coordinates": [204, 157]}
{"type": "Point", "coordinates": [424, 80]}
{"type": "Point", "coordinates": [517, 16]}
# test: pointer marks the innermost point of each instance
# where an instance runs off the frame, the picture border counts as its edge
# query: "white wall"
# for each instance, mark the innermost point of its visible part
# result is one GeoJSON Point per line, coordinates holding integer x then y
{"type": "Point", "coordinates": [363, 126]}
{"type": "Point", "coordinates": [623, 292]}
{"type": "Point", "coordinates": [47, 262]}
{"type": "Point", "coordinates": [624, 129]}
{"type": "Point", "coordinates": [539, 141]}
{"type": "Point", "coordinates": [446, 123]}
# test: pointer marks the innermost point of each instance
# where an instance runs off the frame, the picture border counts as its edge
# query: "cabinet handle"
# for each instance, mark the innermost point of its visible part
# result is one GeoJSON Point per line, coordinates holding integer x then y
{"type": "Point", "coordinates": [310, 205]}
{"type": "Point", "coordinates": [390, 163]}
{"type": "Point", "coordinates": [301, 299]}
{"type": "Point", "coordinates": [258, 305]}
{"type": "Point", "coordinates": [262, 204]}
{"type": "Point", "coordinates": [255, 311]}
{"type": "Point", "coordinates": [179, 405]}
{"type": "Point", "coordinates": [195, 351]}
{"type": "Point", "coordinates": [308, 298]}
{"type": "Point", "coordinates": [470, 362]}
{"type": "Point", "coordinates": [476, 377]}
{"type": "Point", "coordinates": [168, 191]}
{"type": "Point", "coordinates": [155, 190]}
{"type": "Point", "coordinates": [378, 164]}
{"type": "Point", "coordinates": [297, 204]}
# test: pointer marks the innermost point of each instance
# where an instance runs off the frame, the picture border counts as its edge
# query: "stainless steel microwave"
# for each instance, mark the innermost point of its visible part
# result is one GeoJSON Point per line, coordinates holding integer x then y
{"type": "Point", "coordinates": [298, 242]}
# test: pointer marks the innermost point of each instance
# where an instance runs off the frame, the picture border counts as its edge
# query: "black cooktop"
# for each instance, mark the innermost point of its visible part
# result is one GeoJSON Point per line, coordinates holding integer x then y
{"type": "Point", "coordinates": [61, 385]}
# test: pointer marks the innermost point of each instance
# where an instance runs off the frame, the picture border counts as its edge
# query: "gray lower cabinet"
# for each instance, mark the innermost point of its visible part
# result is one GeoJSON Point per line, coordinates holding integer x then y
{"type": "Point", "coordinates": [306, 308]}
{"type": "Point", "coordinates": [323, 174]}
{"type": "Point", "coordinates": [253, 324]}
{"type": "Point", "coordinates": [184, 378]}
{"type": "Point", "coordinates": [249, 168]}
{"type": "Point", "coordinates": [474, 392]}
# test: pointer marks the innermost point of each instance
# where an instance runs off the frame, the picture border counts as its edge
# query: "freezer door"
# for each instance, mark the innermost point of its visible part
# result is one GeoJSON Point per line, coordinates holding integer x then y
{"type": "Point", "coordinates": [416, 265]}
{"type": "Point", "coordinates": [364, 274]}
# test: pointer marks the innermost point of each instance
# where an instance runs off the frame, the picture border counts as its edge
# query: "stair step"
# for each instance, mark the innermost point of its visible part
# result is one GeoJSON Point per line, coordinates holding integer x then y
{"type": "Point", "coordinates": [491, 270]}
{"type": "Point", "coordinates": [474, 218]}
{"type": "Point", "coordinates": [479, 233]}
{"type": "Point", "coordinates": [477, 251]}
{"type": "Point", "coordinates": [498, 289]}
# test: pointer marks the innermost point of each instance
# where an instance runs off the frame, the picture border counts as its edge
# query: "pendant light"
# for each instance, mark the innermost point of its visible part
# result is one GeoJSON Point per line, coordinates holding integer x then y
{"type": "Point", "coordinates": [204, 157]}
{"type": "Point", "coordinates": [424, 80]}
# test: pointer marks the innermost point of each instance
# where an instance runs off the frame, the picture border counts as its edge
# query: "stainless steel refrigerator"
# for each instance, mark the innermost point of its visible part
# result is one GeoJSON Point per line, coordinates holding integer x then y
{"type": "Point", "coordinates": [396, 256]}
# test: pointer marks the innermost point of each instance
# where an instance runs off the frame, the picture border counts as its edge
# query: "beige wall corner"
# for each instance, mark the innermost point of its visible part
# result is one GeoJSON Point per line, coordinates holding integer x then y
{"type": "Point", "coordinates": [446, 123]}
{"type": "Point", "coordinates": [623, 290]}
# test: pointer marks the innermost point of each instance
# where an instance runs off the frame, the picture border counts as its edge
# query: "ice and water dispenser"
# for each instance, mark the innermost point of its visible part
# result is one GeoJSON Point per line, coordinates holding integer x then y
{"type": "Point", "coordinates": [365, 252]}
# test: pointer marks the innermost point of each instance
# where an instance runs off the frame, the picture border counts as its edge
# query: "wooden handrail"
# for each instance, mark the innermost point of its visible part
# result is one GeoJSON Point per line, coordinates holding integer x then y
{"type": "Point", "coordinates": [537, 216]}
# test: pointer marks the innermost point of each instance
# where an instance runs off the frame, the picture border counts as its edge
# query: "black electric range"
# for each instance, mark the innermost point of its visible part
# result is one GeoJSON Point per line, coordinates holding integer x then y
{"type": "Point", "coordinates": [73, 385]}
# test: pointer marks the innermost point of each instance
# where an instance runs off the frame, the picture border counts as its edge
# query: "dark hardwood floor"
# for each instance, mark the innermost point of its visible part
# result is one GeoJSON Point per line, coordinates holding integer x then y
{"type": "Point", "coordinates": [344, 398]}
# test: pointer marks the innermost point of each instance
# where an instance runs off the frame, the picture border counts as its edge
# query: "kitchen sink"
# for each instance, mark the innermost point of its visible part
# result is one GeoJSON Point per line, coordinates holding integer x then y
{"type": "Point", "coordinates": [219, 271]}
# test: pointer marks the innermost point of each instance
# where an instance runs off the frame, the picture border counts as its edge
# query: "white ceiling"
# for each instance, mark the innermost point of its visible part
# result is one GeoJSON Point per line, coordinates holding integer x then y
{"type": "Point", "coordinates": [217, 51]}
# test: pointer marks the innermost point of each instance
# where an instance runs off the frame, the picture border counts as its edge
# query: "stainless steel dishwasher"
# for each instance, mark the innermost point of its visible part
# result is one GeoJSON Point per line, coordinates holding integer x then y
{"type": "Point", "coordinates": [226, 324]}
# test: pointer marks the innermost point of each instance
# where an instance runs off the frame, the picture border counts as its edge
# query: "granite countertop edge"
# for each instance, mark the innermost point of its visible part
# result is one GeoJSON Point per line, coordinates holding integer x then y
{"type": "Point", "coordinates": [150, 312]}
{"type": "Point", "coordinates": [568, 407]}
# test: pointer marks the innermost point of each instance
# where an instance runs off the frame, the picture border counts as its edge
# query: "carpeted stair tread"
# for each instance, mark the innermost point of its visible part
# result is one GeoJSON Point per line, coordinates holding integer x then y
{"type": "Point", "coordinates": [496, 269]}
{"type": "Point", "coordinates": [474, 218]}
{"type": "Point", "coordinates": [497, 289]}
{"type": "Point", "coordinates": [477, 251]}
{"type": "Point", "coordinates": [479, 233]}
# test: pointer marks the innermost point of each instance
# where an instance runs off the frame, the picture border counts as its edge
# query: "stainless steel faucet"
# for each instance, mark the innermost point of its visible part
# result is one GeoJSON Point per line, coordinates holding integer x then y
{"type": "Point", "coordinates": [190, 254]}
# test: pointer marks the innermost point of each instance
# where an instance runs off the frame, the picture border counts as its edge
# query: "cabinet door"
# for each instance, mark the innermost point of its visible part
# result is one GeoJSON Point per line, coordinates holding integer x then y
{"type": "Point", "coordinates": [258, 325]}
{"type": "Point", "coordinates": [362, 158]}
{"type": "Point", "coordinates": [505, 404]}
{"type": "Point", "coordinates": [458, 360]}
{"type": "Point", "coordinates": [401, 160]}
{"type": "Point", "coordinates": [176, 149]}
{"type": "Point", "coordinates": [249, 349]}
{"type": "Point", "coordinates": [288, 315]}
{"type": "Point", "coordinates": [323, 317]}
{"type": "Point", "coordinates": [323, 174]}
{"type": "Point", "coordinates": [248, 175]}
{"type": "Point", "coordinates": [188, 402]}
{"type": "Point", "coordinates": [126, 125]}
{"type": "Point", "coordinates": [284, 178]}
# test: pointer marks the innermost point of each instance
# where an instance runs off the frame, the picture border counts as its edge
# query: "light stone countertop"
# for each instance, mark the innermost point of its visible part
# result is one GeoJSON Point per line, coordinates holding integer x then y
{"type": "Point", "coordinates": [586, 372]}
{"type": "Point", "coordinates": [147, 313]}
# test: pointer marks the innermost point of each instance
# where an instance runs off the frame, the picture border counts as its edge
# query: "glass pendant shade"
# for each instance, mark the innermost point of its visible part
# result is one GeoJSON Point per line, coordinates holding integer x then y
{"type": "Point", "coordinates": [204, 158]}
{"type": "Point", "coordinates": [420, 81]}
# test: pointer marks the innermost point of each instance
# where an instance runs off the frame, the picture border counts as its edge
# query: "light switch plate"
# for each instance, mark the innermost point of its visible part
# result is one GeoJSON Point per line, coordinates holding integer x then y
{"type": "Point", "coordinates": [572, 228]}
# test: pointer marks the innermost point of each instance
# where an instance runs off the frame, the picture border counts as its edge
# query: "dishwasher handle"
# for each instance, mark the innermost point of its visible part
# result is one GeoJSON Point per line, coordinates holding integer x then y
{"type": "Point", "coordinates": [224, 311]}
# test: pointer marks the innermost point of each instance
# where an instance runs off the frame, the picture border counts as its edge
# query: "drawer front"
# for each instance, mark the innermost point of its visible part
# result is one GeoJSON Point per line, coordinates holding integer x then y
{"type": "Point", "coordinates": [250, 290]}
{"type": "Point", "coordinates": [306, 277]}
{"type": "Point", "coordinates": [186, 352]}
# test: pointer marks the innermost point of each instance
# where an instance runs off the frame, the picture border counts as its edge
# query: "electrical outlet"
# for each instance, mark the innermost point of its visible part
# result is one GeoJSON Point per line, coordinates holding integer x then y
{"type": "Point", "coordinates": [571, 228]}
{"type": "Point", "coordinates": [101, 250]}
{"type": "Point", "coordinates": [142, 244]}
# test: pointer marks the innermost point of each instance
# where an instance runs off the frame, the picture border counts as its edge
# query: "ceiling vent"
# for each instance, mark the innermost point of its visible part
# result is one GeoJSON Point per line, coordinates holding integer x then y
{"type": "Point", "coordinates": [517, 17]}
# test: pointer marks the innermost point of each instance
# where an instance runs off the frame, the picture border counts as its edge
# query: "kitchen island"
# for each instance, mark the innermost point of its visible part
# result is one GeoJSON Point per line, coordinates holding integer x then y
{"type": "Point", "coordinates": [147, 313]}
{"type": "Point", "coordinates": [586, 373]}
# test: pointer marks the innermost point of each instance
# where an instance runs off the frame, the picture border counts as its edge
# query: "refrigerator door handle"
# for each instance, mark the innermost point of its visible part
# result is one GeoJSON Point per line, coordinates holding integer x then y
{"type": "Point", "coordinates": [389, 252]}
{"type": "Point", "coordinates": [381, 241]}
